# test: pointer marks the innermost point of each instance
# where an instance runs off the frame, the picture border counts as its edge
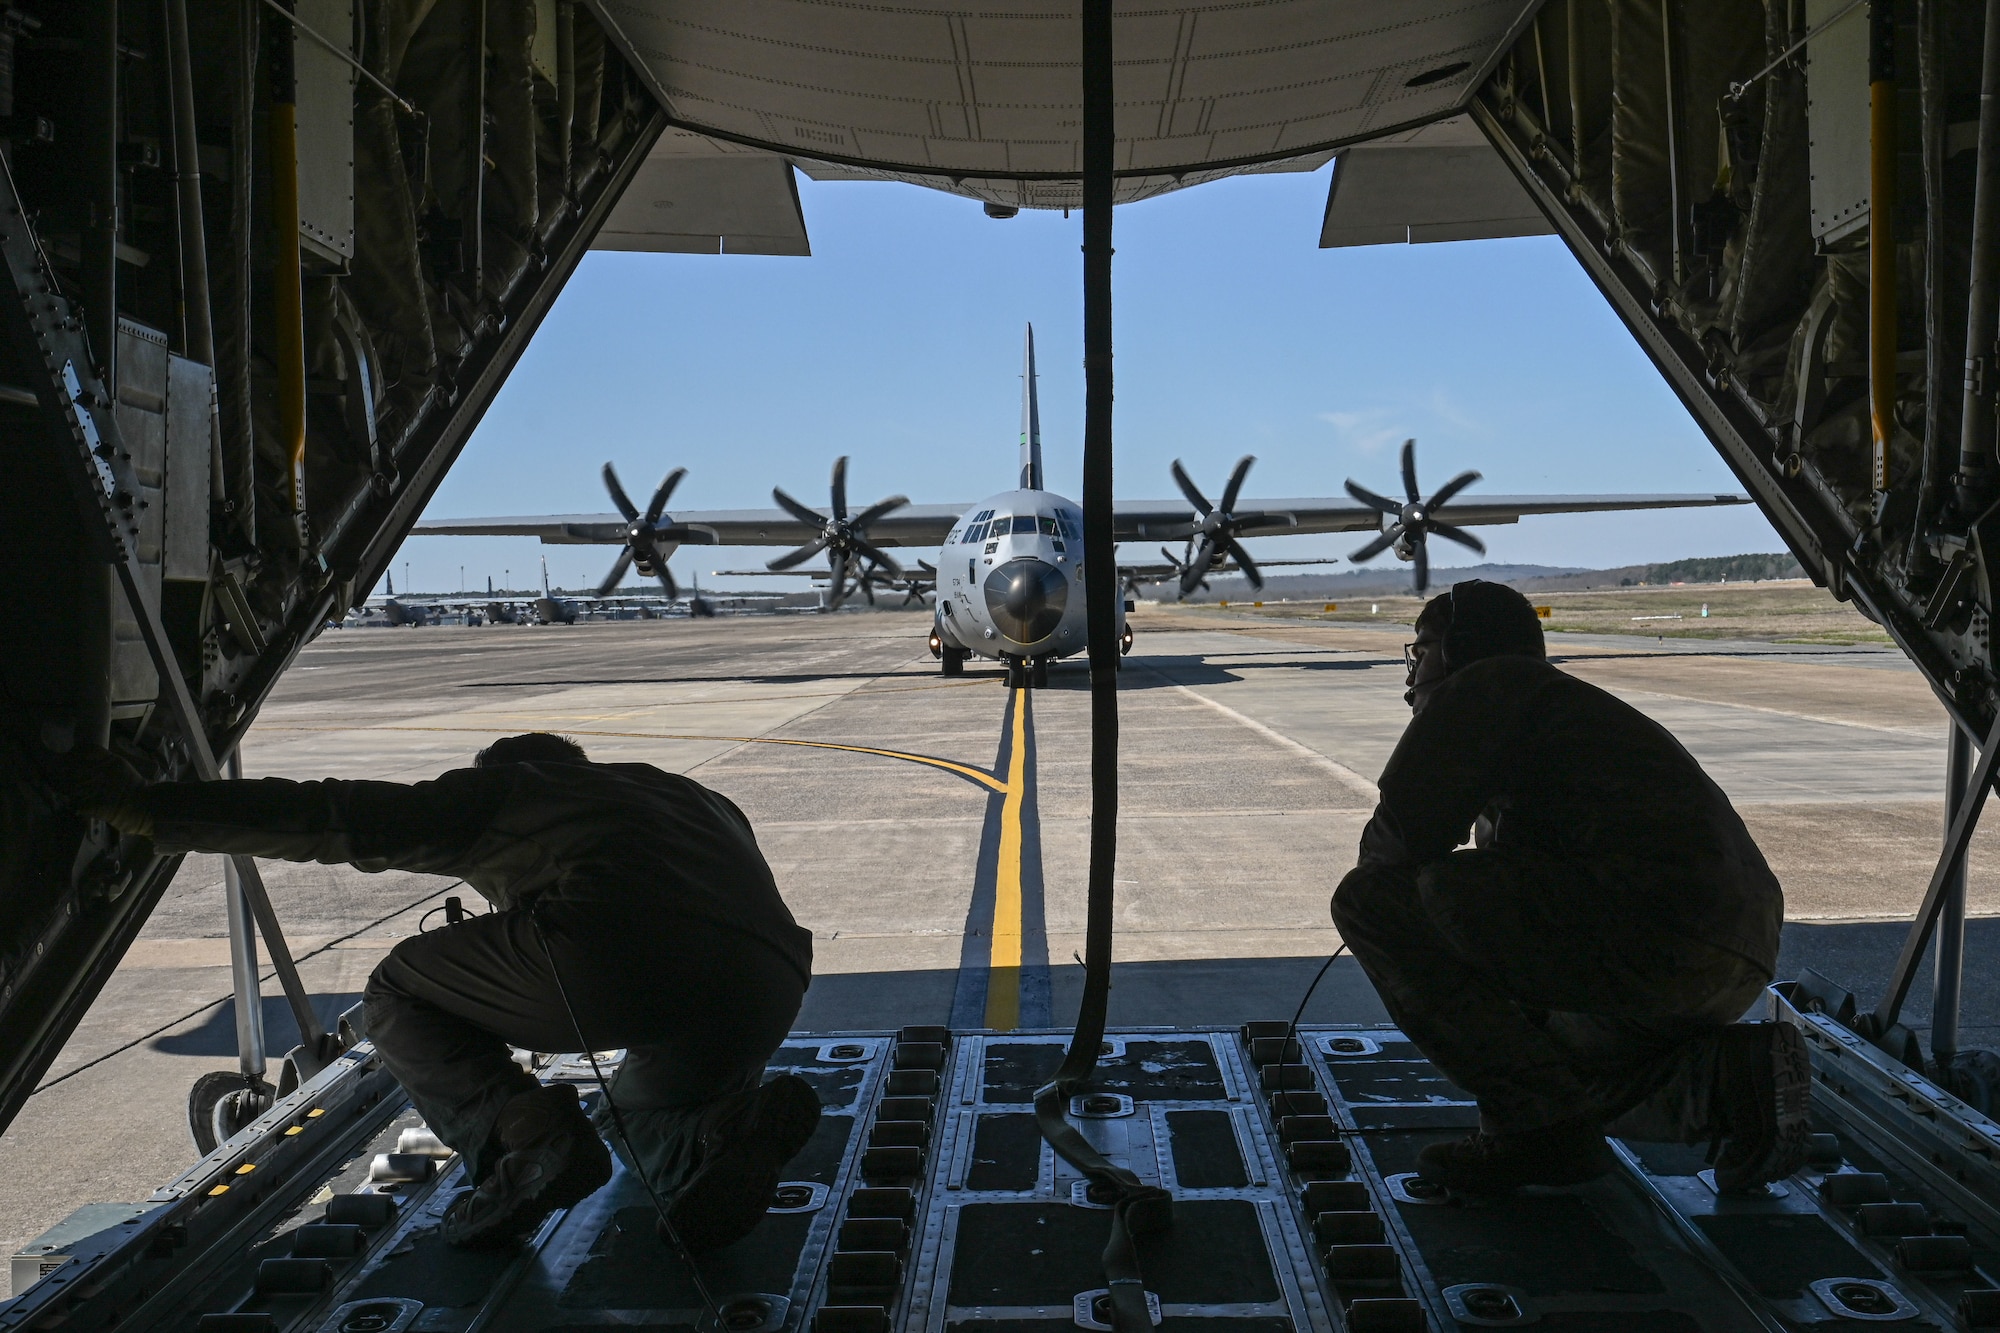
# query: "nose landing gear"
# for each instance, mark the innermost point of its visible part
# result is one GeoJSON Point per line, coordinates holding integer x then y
{"type": "Point", "coordinates": [1027, 673]}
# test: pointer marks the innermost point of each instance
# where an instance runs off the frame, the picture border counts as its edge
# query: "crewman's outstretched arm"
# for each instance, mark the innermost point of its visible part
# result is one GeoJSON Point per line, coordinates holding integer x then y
{"type": "Point", "coordinates": [431, 827]}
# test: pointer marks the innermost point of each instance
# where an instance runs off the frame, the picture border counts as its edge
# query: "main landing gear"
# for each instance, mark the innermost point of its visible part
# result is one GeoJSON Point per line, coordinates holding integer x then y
{"type": "Point", "coordinates": [951, 661]}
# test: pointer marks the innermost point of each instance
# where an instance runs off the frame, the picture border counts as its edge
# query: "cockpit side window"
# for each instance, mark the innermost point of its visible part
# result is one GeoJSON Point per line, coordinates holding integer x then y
{"type": "Point", "coordinates": [1071, 528]}
{"type": "Point", "coordinates": [975, 534]}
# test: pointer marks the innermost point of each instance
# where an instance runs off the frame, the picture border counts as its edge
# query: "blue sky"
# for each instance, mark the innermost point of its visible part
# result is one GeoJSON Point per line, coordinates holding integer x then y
{"type": "Point", "coordinates": [898, 342]}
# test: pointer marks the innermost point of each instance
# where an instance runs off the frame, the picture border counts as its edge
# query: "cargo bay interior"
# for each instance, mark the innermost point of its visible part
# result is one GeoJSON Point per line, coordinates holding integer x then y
{"type": "Point", "coordinates": [272, 266]}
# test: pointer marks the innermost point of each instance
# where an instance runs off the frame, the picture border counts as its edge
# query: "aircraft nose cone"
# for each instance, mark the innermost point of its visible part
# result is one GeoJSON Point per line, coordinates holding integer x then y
{"type": "Point", "coordinates": [1026, 599]}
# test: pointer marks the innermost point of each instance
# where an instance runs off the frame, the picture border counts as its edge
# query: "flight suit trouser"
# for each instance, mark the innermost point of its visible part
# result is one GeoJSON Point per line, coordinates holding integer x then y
{"type": "Point", "coordinates": [699, 1008]}
{"type": "Point", "coordinates": [1549, 989]}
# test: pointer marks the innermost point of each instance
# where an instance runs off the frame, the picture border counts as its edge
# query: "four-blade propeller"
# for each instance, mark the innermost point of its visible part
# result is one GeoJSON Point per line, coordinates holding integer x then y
{"type": "Point", "coordinates": [648, 541]}
{"type": "Point", "coordinates": [1217, 526]}
{"type": "Point", "coordinates": [1415, 519]}
{"type": "Point", "coordinates": [842, 536]}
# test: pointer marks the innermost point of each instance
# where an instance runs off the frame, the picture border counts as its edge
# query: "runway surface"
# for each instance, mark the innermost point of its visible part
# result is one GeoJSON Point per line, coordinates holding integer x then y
{"type": "Point", "coordinates": [933, 833]}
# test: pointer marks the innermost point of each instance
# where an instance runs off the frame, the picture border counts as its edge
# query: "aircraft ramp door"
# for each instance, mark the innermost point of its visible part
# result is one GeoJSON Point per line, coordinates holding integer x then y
{"type": "Point", "coordinates": [928, 1203]}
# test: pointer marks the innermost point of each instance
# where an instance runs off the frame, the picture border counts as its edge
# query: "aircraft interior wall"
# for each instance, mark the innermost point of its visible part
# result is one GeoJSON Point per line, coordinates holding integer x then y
{"type": "Point", "coordinates": [447, 188]}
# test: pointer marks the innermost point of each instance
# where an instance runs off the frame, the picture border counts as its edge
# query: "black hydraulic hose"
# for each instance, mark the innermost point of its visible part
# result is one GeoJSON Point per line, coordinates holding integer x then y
{"type": "Point", "coordinates": [1099, 556]}
{"type": "Point", "coordinates": [1137, 1208]}
{"type": "Point", "coordinates": [1975, 445]}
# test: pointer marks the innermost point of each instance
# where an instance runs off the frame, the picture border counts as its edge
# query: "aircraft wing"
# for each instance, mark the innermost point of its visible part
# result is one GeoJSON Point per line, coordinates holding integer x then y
{"type": "Point", "coordinates": [1133, 520]}
{"type": "Point", "coordinates": [912, 525]}
{"type": "Point", "coordinates": [1157, 572]}
{"type": "Point", "coordinates": [1170, 519]}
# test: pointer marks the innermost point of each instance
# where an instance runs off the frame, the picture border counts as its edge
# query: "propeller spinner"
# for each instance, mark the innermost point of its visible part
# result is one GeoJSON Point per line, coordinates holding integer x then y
{"type": "Point", "coordinates": [841, 536]}
{"type": "Point", "coordinates": [1415, 519]}
{"type": "Point", "coordinates": [1217, 526]}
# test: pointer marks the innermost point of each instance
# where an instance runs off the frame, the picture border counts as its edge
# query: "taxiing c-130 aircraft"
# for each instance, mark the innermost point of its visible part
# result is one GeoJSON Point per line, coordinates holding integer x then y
{"type": "Point", "coordinates": [1009, 570]}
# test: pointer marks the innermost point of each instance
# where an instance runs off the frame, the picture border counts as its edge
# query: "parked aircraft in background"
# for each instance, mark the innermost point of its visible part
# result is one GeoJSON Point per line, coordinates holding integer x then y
{"type": "Point", "coordinates": [1008, 576]}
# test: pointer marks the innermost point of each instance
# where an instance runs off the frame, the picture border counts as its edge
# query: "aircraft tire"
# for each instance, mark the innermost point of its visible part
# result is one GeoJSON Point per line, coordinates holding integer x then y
{"type": "Point", "coordinates": [952, 662]}
{"type": "Point", "coordinates": [1017, 674]}
{"type": "Point", "coordinates": [221, 1103]}
{"type": "Point", "coordinates": [1038, 674]}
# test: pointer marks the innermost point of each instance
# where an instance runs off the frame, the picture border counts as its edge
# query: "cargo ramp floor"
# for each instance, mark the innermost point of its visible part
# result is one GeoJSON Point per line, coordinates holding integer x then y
{"type": "Point", "coordinates": [927, 1202]}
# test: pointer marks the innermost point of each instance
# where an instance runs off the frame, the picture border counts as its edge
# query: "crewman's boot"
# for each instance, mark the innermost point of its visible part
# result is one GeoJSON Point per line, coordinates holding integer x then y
{"type": "Point", "coordinates": [1567, 1153]}
{"type": "Point", "coordinates": [1763, 1091]}
{"type": "Point", "coordinates": [746, 1139]}
{"type": "Point", "coordinates": [552, 1159]}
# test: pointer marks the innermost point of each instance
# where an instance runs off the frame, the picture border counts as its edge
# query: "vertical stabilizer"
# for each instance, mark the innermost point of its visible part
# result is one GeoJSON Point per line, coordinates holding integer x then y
{"type": "Point", "coordinates": [1031, 420]}
{"type": "Point", "coordinates": [545, 577]}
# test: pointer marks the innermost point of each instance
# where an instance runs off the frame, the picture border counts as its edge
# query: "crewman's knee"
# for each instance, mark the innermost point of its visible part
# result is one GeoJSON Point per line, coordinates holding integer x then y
{"type": "Point", "coordinates": [1366, 896]}
{"type": "Point", "coordinates": [392, 994]}
{"type": "Point", "coordinates": [392, 977]}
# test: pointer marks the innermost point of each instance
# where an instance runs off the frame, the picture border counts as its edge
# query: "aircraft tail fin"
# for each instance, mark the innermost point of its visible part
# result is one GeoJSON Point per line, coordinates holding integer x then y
{"type": "Point", "coordinates": [1031, 420]}
{"type": "Point", "coordinates": [545, 577]}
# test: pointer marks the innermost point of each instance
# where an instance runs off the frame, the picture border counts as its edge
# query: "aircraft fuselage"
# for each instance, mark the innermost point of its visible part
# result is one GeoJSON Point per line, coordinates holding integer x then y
{"type": "Point", "coordinates": [1010, 579]}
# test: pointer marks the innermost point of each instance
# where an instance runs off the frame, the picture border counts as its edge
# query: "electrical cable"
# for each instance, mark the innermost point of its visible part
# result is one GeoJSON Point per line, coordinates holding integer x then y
{"type": "Point", "coordinates": [1736, 90]}
{"type": "Point", "coordinates": [225, 999]}
{"type": "Point", "coordinates": [618, 1125]}
{"type": "Point", "coordinates": [340, 53]}
{"type": "Point", "coordinates": [1292, 1028]}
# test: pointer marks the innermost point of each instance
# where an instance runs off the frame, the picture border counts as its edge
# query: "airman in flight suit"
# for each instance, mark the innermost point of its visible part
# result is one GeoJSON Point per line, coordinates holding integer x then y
{"type": "Point", "coordinates": [629, 903]}
{"type": "Point", "coordinates": [1579, 969]}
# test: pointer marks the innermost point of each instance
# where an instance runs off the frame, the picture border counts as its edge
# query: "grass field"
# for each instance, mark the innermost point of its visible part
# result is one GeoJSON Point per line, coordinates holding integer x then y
{"type": "Point", "coordinates": [1778, 611]}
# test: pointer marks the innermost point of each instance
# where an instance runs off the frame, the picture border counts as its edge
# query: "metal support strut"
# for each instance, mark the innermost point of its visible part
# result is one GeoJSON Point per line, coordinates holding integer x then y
{"type": "Point", "coordinates": [1950, 870]}
{"type": "Point", "coordinates": [1948, 988]}
{"type": "Point", "coordinates": [243, 963]}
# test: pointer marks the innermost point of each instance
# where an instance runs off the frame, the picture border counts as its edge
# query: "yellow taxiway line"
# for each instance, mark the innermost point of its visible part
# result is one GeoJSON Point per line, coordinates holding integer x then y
{"type": "Point", "coordinates": [1003, 969]}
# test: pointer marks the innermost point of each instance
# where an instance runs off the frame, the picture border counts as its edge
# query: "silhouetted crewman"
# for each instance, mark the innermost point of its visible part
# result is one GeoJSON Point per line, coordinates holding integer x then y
{"type": "Point", "coordinates": [1580, 968]}
{"type": "Point", "coordinates": [634, 896]}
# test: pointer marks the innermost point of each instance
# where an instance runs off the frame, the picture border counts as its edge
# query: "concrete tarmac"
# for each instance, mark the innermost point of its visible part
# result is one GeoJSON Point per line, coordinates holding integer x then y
{"type": "Point", "coordinates": [933, 833]}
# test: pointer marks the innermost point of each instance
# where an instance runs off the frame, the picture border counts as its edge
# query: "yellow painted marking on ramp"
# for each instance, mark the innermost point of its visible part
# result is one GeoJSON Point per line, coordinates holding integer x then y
{"type": "Point", "coordinates": [1003, 973]}
{"type": "Point", "coordinates": [978, 775]}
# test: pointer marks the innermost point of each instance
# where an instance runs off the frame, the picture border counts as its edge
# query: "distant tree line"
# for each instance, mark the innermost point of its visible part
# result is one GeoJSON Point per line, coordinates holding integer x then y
{"type": "Point", "coordinates": [1725, 569]}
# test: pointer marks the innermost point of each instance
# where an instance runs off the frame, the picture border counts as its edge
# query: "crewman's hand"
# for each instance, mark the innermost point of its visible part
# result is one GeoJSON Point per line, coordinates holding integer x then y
{"type": "Point", "coordinates": [100, 784]}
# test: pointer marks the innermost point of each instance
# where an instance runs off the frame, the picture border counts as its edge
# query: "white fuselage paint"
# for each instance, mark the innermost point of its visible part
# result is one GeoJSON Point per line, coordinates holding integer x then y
{"type": "Point", "coordinates": [1018, 592]}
